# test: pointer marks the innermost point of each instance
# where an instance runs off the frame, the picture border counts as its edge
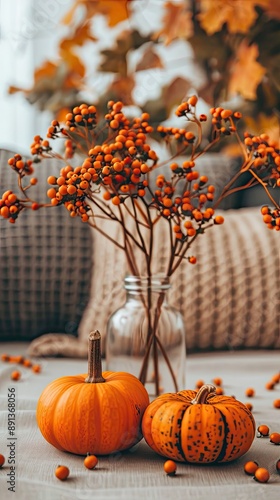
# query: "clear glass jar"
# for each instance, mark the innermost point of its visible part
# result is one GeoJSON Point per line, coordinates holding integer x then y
{"type": "Point", "coordinates": [146, 336]}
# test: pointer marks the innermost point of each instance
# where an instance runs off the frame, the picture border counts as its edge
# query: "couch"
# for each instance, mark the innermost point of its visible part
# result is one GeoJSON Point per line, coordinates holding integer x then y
{"type": "Point", "coordinates": [57, 277]}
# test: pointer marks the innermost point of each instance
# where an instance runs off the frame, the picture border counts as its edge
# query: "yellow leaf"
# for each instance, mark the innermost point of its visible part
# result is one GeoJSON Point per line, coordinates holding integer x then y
{"type": "Point", "coordinates": [239, 15]}
{"type": "Point", "coordinates": [177, 23]}
{"type": "Point", "coordinates": [246, 72]}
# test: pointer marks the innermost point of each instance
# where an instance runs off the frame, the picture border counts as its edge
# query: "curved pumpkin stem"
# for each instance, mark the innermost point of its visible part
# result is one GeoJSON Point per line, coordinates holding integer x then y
{"type": "Point", "coordinates": [203, 393]}
{"type": "Point", "coordinates": [94, 359]}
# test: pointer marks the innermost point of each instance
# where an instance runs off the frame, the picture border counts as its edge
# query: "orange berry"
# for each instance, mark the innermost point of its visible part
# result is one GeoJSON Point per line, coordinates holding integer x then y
{"type": "Point", "coordinates": [199, 384]}
{"type": "Point", "coordinates": [278, 466]}
{"type": "Point", "coordinates": [276, 403]}
{"type": "Point", "coordinates": [15, 375]}
{"type": "Point", "coordinates": [261, 475]}
{"type": "Point", "coordinates": [217, 381]}
{"type": "Point", "coordinates": [251, 467]}
{"type": "Point", "coordinates": [275, 438]}
{"type": "Point", "coordinates": [249, 392]}
{"type": "Point", "coordinates": [249, 406]}
{"type": "Point", "coordinates": [91, 461]}
{"type": "Point", "coordinates": [219, 391]}
{"type": "Point", "coordinates": [263, 430]}
{"type": "Point", "coordinates": [170, 467]}
{"type": "Point", "coordinates": [116, 200]}
{"type": "Point", "coordinates": [36, 368]}
{"type": "Point", "coordinates": [62, 472]}
{"type": "Point", "coordinates": [219, 219]}
{"type": "Point", "coordinates": [51, 193]}
{"type": "Point", "coordinates": [193, 100]}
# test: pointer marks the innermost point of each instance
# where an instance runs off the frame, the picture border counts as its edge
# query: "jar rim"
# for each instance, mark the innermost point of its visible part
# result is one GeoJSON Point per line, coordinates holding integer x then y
{"type": "Point", "coordinates": [155, 282]}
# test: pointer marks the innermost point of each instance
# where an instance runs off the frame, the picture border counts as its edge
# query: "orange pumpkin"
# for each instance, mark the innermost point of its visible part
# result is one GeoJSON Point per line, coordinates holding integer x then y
{"type": "Point", "coordinates": [198, 426]}
{"type": "Point", "coordinates": [98, 413]}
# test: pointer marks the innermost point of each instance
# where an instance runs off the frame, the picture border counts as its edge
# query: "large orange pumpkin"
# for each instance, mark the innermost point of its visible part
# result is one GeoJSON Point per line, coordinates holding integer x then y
{"type": "Point", "coordinates": [99, 413]}
{"type": "Point", "coordinates": [198, 426]}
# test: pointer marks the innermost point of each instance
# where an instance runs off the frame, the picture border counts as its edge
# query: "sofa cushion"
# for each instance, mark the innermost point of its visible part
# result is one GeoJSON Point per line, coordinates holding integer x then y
{"type": "Point", "coordinates": [45, 264]}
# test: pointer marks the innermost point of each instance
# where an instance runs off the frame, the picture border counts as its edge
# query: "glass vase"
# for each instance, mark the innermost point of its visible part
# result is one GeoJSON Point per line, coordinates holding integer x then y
{"type": "Point", "coordinates": [146, 336]}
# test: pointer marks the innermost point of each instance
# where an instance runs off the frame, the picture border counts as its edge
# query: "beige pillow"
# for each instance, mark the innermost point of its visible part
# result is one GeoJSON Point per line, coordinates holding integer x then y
{"type": "Point", "coordinates": [229, 299]}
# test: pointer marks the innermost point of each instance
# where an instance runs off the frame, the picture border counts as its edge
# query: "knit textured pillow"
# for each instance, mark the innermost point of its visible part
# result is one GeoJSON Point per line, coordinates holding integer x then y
{"type": "Point", "coordinates": [229, 299]}
{"type": "Point", "coordinates": [45, 264]}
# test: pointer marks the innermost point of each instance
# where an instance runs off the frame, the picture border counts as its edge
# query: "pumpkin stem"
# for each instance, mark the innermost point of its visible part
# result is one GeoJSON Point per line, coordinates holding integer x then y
{"type": "Point", "coordinates": [203, 393]}
{"type": "Point", "coordinates": [94, 359]}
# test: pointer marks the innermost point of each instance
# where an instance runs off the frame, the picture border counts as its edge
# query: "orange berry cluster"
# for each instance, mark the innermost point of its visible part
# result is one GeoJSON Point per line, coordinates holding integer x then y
{"type": "Point", "coordinates": [118, 165]}
{"type": "Point", "coordinates": [224, 120]}
{"type": "Point", "coordinates": [271, 217]}
{"type": "Point", "coordinates": [189, 211]}
{"type": "Point", "coordinates": [179, 134]}
{"type": "Point", "coordinates": [10, 206]}
{"type": "Point", "coordinates": [265, 154]}
{"type": "Point", "coordinates": [82, 116]}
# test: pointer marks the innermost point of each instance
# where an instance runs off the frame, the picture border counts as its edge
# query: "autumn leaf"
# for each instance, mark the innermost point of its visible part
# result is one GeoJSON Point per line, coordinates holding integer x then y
{"type": "Point", "coordinates": [239, 15]}
{"type": "Point", "coordinates": [115, 10]}
{"type": "Point", "coordinates": [246, 72]}
{"type": "Point", "coordinates": [121, 89]}
{"type": "Point", "coordinates": [273, 9]}
{"type": "Point", "coordinates": [149, 60]}
{"type": "Point", "coordinates": [177, 23]}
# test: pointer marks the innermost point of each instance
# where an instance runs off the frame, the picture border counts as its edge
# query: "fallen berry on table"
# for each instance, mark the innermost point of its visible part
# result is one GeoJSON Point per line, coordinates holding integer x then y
{"type": "Point", "coordinates": [276, 378]}
{"type": "Point", "coordinates": [217, 381]}
{"type": "Point", "coordinates": [270, 385]}
{"type": "Point", "coordinates": [275, 438]}
{"type": "Point", "coordinates": [36, 368]}
{"type": "Point", "coordinates": [170, 467]}
{"type": "Point", "coordinates": [250, 392]}
{"type": "Point", "coordinates": [199, 384]}
{"type": "Point", "coordinates": [62, 472]}
{"type": "Point", "coordinates": [219, 391]}
{"type": "Point", "coordinates": [27, 363]}
{"type": "Point", "coordinates": [15, 375]}
{"type": "Point", "coordinates": [251, 467]}
{"type": "Point", "coordinates": [261, 475]}
{"type": "Point", "coordinates": [263, 430]}
{"type": "Point", "coordinates": [276, 403]}
{"type": "Point", "coordinates": [2, 460]}
{"type": "Point", "coordinates": [5, 357]}
{"type": "Point", "coordinates": [249, 406]}
{"type": "Point", "coordinates": [91, 461]}
{"type": "Point", "coordinates": [278, 466]}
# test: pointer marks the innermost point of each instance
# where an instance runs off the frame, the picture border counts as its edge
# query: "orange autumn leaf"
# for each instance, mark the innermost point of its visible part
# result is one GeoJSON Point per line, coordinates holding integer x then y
{"type": "Point", "coordinates": [115, 10]}
{"type": "Point", "coordinates": [246, 72]}
{"type": "Point", "coordinates": [177, 23]}
{"type": "Point", "coordinates": [149, 60]}
{"type": "Point", "coordinates": [47, 70]}
{"type": "Point", "coordinates": [239, 15]}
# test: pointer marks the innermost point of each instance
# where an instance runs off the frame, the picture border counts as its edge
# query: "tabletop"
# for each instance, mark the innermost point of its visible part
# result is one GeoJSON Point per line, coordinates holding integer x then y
{"type": "Point", "coordinates": [138, 472]}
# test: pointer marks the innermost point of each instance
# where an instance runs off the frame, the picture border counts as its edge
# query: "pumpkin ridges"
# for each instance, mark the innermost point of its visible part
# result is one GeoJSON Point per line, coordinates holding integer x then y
{"type": "Point", "coordinates": [206, 423]}
{"type": "Point", "coordinates": [166, 429]}
{"type": "Point", "coordinates": [239, 435]}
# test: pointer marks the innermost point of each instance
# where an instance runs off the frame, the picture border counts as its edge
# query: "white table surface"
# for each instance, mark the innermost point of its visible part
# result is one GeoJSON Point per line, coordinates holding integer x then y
{"type": "Point", "coordinates": [138, 473]}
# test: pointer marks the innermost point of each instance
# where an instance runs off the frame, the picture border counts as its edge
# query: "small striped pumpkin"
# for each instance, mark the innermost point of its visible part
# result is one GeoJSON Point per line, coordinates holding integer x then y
{"type": "Point", "coordinates": [198, 426]}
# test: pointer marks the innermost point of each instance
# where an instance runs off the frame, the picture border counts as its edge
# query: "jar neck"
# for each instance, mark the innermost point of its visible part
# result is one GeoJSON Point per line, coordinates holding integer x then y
{"type": "Point", "coordinates": [137, 285]}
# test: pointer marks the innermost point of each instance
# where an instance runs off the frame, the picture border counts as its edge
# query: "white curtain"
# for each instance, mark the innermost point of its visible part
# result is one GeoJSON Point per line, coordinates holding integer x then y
{"type": "Point", "coordinates": [28, 35]}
